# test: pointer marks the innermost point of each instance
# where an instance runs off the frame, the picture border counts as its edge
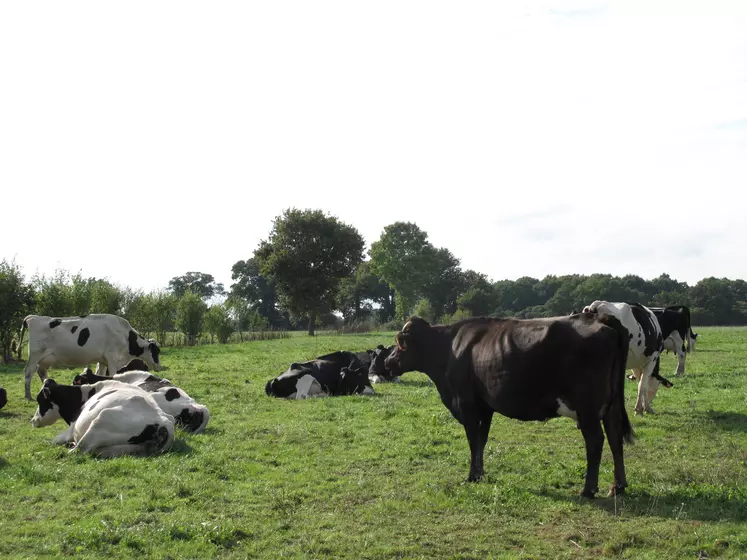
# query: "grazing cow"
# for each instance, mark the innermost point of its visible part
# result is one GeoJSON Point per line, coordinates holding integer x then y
{"type": "Point", "coordinates": [188, 414]}
{"type": "Point", "coordinates": [79, 341]}
{"type": "Point", "coordinates": [527, 369]}
{"type": "Point", "coordinates": [3, 397]}
{"type": "Point", "coordinates": [377, 372]}
{"type": "Point", "coordinates": [108, 418]}
{"type": "Point", "coordinates": [675, 330]}
{"type": "Point", "coordinates": [320, 378]}
{"type": "Point", "coordinates": [646, 345]}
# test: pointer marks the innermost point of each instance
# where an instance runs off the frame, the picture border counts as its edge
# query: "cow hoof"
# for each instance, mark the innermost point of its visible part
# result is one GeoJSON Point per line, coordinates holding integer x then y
{"type": "Point", "coordinates": [474, 477]}
{"type": "Point", "coordinates": [590, 494]}
{"type": "Point", "coordinates": [638, 412]}
{"type": "Point", "coordinates": [616, 490]}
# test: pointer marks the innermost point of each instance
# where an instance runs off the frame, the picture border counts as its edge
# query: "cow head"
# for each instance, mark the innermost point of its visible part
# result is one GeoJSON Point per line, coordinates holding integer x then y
{"type": "Point", "coordinates": [47, 411]}
{"type": "Point", "coordinates": [378, 357]}
{"type": "Point", "coordinates": [355, 381]}
{"type": "Point", "coordinates": [409, 353]}
{"type": "Point", "coordinates": [87, 377]}
{"type": "Point", "coordinates": [145, 349]}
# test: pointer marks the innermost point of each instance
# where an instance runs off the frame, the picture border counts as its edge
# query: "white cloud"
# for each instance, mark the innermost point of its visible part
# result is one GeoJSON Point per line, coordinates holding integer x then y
{"type": "Point", "coordinates": [136, 142]}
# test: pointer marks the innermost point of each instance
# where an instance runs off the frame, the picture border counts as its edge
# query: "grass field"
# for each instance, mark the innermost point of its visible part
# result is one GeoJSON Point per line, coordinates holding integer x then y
{"type": "Point", "coordinates": [381, 476]}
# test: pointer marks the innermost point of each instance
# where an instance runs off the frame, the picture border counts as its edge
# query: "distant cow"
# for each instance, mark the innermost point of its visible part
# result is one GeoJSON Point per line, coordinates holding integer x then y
{"type": "Point", "coordinates": [531, 369]}
{"type": "Point", "coordinates": [79, 341]}
{"type": "Point", "coordinates": [3, 397]}
{"type": "Point", "coordinates": [646, 344]}
{"type": "Point", "coordinates": [377, 372]}
{"type": "Point", "coordinates": [188, 414]}
{"type": "Point", "coordinates": [339, 373]}
{"type": "Point", "coordinates": [675, 330]}
{"type": "Point", "coordinates": [108, 418]}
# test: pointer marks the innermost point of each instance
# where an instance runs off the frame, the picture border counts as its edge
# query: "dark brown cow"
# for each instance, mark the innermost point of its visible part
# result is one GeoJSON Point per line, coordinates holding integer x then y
{"type": "Point", "coordinates": [532, 369]}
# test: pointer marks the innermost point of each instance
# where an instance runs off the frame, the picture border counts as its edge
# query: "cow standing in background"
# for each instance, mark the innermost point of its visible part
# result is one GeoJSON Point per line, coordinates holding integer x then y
{"type": "Point", "coordinates": [79, 341]}
{"type": "Point", "coordinates": [646, 345]}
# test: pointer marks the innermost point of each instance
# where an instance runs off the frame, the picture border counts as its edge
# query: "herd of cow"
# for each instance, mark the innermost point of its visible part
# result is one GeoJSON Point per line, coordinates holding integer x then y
{"type": "Point", "coordinates": [527, 369]}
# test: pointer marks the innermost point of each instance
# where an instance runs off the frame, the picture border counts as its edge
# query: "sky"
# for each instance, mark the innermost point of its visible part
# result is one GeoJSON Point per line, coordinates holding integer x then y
{"type": "Point", "coordinates": [142, 140]}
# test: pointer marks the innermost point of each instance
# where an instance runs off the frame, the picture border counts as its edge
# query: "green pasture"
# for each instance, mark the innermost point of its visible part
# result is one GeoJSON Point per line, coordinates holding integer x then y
{"type": "Point", "coordinates": [381, 476]}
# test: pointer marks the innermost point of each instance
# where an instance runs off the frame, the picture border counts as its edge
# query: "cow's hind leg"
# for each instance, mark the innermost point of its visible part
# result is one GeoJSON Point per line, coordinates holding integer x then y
{"type": "Point", "coordinates": [594, 439]}
{"type": "Point", "coordinates": [613, 429]}
{"type": "Point", "coordinates": [27, 375]}
{"type": "Point", "coordinates": [477, 426]}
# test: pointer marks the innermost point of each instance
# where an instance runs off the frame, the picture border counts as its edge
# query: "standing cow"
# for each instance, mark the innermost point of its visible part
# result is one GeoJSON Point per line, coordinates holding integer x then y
{"type": "Point", "coordinates": [646, 345]}
{"type": "Point", "coordinates": [79, 341]}
{"type": "Point", "coordinates": [533, 369]}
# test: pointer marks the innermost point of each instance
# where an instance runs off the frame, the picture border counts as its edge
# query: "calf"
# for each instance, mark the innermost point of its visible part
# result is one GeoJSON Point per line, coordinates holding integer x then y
{"type": "Point", "coordinates": [108, 418]}
{"type": "Point", "coordinates": [319, 378]}
{"type": "Point", "coordinates": [79, 341]}
{"type": "Point", "coordinates": [531, 369]}
{"type": "Point", "coordinates": [188, 414]}
{"type": "Point", "coordinates": [646, 345]}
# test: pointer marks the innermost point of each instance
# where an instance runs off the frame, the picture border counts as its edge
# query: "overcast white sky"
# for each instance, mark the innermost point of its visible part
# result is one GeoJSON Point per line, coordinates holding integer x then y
{"type": "Point", "coordinates": [138, 139]}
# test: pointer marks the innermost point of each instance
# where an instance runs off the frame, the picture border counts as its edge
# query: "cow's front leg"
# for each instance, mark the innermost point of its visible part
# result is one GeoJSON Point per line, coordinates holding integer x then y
{"type": "Point", "coordinates": [64, 437]}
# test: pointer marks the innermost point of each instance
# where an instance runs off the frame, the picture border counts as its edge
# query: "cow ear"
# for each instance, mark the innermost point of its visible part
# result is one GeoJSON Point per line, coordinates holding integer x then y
{"type": "Point", "coordinates": [48, 382]}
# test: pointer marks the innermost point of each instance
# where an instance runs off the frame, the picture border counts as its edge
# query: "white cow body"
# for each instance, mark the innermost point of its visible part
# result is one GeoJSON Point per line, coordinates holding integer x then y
{"type": "Point", "coordinates": [173, 400]}
{"type": "Point", "coordinates": [116, 419]}
{"type": "Point", "coordinates": [79, 341]}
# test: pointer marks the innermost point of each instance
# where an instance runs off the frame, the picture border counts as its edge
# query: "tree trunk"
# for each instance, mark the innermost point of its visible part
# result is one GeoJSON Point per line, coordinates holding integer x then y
{"type": "Point", "coordinates": [312, 322]}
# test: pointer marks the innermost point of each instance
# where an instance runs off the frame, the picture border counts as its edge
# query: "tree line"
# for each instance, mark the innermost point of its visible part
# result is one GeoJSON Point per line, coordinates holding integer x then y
{"type": "Point", "coordinates": [312, 272]}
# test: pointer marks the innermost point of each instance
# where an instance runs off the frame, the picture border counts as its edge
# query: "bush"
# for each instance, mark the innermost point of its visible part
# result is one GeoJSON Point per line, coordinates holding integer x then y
{"type": "Point", "coordinates": [190, 316]}
{"type": "Point", "coordinates": [218, 323]}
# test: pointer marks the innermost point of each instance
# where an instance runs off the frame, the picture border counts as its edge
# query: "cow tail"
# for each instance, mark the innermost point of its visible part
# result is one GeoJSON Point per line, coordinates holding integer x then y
{"type": "Point", "coordinates": [689, 332]}
{"type": "Point", "coordinates": [18, 349]}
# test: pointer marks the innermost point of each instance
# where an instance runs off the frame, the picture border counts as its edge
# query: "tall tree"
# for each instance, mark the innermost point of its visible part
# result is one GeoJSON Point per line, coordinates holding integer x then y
{"type": "Point", "coordinates": [401, 257]}
{"type": "Point", "coordinates": [359, 289]}
{"type": "Point", "coordinates": [259, 290]}
{"type": "Point", "coordinates": [199, 283]}
{"type": "Point", "coordinates": [446, 282]}
{"type": "Point", "coordinates": [307, 255]}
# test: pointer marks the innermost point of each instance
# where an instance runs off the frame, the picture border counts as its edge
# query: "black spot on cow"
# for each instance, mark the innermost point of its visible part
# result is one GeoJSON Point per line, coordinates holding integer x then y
{"type": "Point", "coordinates": [83, 336]}
{"type": "Point", "coordinates": [75, 328]}
{"type": "Point", "coordinates": [148, 434]}
{"type": "Point", "coordinates": [639, 343]}
{"type": "Point", "coordinates": [631, 335]}
{"type": "Point", "coordinates": [91, 393]}
{"type": "Point", "coordinates": [54, 323]}
{"type": "Point", "coordinates": [135, 348]}
{"type": "Point", "coordinates": [651, 333]}
{"type": "Point", "coordinates": [102, 395]}
{"type": "Point", "coordinates": [172, 394]}
{"type": "Point", "coordinates": [189, 421]}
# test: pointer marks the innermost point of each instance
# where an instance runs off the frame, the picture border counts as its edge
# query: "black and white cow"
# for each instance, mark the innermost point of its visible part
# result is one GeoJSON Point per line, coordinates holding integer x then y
{"type": "Point", "coordinates": [377, 372]}
{"type": "Point", "coordinates": [188, 414]}
{"type": "Point", "coordinates": [646, 345]}
{"type": "Point", "coordinates": [675, 329]}
{"type": "Point", "coordinates": [530, 370]}
{"type": "Point", "coordinates": [79, 341]}
{"type": "Point", "coordinates": [3, 397]}
{"type": "Point", "coordinates": [321, 378]}
{"type": "Point", "coordinates": [108, 418]}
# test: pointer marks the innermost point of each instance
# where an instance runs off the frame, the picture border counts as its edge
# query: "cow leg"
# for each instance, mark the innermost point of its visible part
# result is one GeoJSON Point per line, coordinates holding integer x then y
{"type": "Point", "coordinates": [613, 429]}
{"type": "Point", "coordinates": [641, 403]}
{"type": "Point", "coordinates": [477, 426]}
{"type": "Point", "coordinates": [27, 375]}
{"type": "Point", "coordinates": [681, 355]}
{"type": "Point", "coordinates": [594, 439]}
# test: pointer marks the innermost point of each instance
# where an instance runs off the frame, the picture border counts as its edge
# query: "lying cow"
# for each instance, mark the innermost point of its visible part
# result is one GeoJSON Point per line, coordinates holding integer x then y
{"type": "Point", "coordinates": [134, 365]}
{"type": "Point", "coordinates": [79, 341]}
{"type": "Point", "coordinates": [108, 418]}
{"type": "Point", "coordinates": [3, 397]}
{"type": "Point", "coordinates": [377, 372]}
{"type": "Point", "coordinates": [320, 377]}
{"type": "Point", "coordinates": [531, 369]}
{"type": "Point", "coordinates": [646, 345]}
{"type": "Point", "coordinates": [188, 414]}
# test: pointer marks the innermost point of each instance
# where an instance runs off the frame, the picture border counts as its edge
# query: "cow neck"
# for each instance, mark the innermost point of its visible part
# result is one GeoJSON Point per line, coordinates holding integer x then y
{"type": "Point", "coordinates": [69, 401]}
{"type": "Point", "coordinates": [439, 339]}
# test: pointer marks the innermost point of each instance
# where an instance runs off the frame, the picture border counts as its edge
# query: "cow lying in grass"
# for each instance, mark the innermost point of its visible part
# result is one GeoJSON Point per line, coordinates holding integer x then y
{"type": "Point", "coordinates": [108, 418]}
{"type": "Point", "coordinates": [188, 414]}
{"type": "Point", "coordinates": [377, 371]}
{"type": "Point", "coordinates": [329, 375]}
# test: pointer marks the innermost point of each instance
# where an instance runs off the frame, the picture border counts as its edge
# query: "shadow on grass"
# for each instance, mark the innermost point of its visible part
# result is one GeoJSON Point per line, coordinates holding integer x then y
{"type": "Point", "coordinates": [669, 505]}
{"type": "Point", "coordinates": [181, 447]}
{"type": "Point", "coordinates": [734, 421]}
{"type": "Point", "coordinates": [3, 463]}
